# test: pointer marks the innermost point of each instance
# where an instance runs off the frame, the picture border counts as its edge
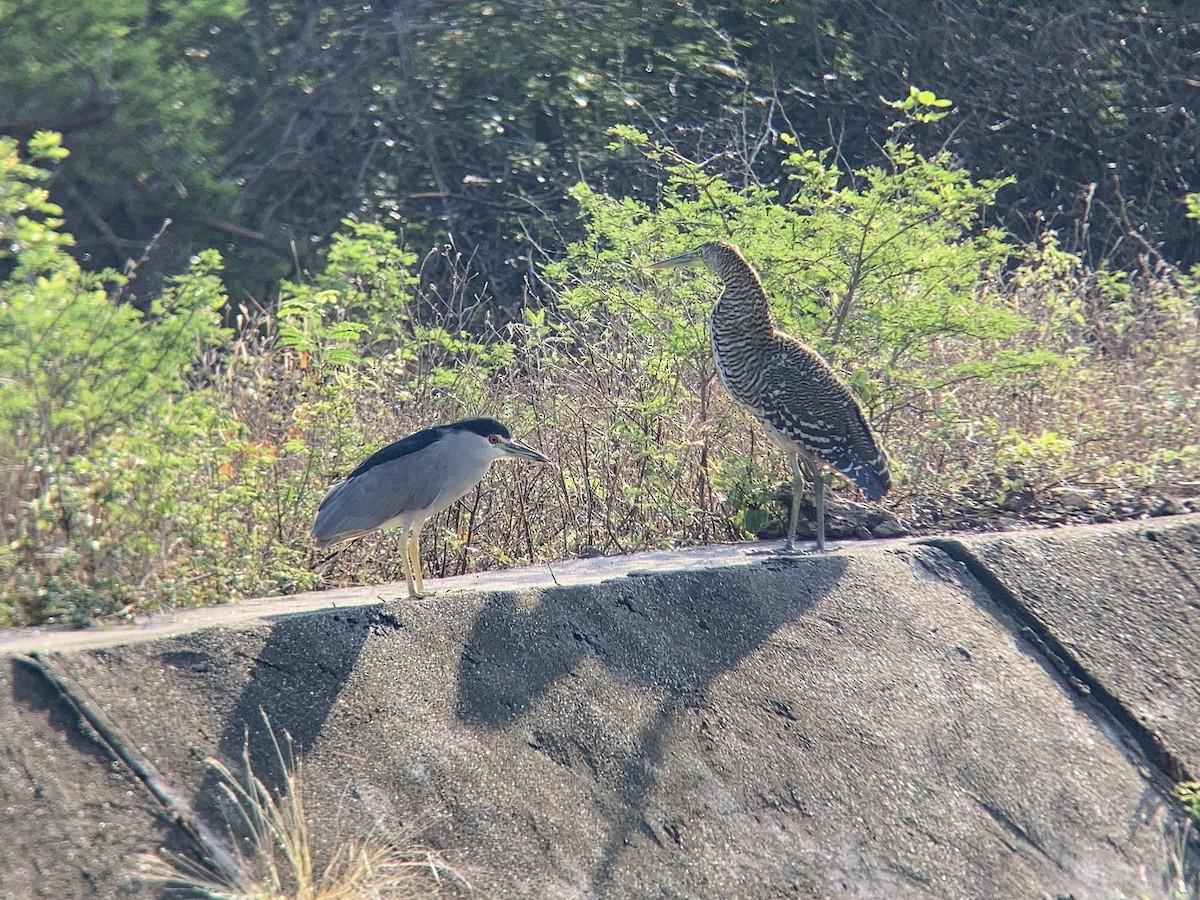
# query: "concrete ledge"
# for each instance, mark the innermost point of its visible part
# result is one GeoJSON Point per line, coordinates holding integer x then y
{"type": "Point", "coordinates": [1122, 609]}
{"type": "Point", "coordinates": [877, 722]}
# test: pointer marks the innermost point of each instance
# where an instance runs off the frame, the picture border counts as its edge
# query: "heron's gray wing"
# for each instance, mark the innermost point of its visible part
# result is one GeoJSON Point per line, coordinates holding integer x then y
{"type": "Point", "coordinates": [372, 497]}
{"type": "Point", "coordinates": [804, 399]}
{"type": "Point", "coordinates": [409, 446]}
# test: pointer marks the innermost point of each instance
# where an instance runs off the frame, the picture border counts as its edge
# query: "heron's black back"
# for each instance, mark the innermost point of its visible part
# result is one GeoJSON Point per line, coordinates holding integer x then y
{"type": "Point", "coordinates": [421, 439]}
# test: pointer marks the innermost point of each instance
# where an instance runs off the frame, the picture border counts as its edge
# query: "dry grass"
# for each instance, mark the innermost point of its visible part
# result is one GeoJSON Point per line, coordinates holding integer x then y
{"type": "Point", "coordinates": [275, 858]}
{"type": "Point", "coordinates": [642, 465]}
{"type": "Point", "coordinates": [1114, 423]}
{"type": "Point", "coordinates": [643, 457]}
{"type": "Point", "coordinates": [1182, 877]}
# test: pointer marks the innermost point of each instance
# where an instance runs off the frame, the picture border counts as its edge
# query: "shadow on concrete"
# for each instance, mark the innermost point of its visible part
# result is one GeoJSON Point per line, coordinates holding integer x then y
{"type": "Point", "coordinates": [31, 691]}
{"type": "Point", "coordinates": [282, 692]}
{"type": "Point", "coordinates": [671, 635]}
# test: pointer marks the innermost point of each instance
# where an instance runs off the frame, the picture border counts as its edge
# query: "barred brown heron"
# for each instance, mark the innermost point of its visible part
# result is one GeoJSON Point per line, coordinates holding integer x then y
{"type": "Point", "coordinates": [806, 410]}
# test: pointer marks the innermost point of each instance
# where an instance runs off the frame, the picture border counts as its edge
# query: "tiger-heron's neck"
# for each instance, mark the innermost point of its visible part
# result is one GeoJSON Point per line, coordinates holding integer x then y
{"type": "Point", "coordinates": [742, 310]}
{"type": "Point", "coordinates": [743, 329]}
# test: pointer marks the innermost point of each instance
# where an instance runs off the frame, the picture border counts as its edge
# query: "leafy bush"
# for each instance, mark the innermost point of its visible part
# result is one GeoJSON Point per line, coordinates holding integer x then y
{"type": "Point", "coordinates": [104, 422]}
{"type": "Point", "coordinates": [882, 269]}
{"type": "Point", "coordinates": [160, 458]}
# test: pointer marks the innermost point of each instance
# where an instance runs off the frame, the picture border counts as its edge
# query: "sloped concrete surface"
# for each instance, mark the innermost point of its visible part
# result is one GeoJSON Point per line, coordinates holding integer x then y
{"type": "Point", "coordinates": [895, 719]}
{"type": "Point", "coordinates": [71, 816]}
{"type": "Point", "coordinates": [1135, 631]}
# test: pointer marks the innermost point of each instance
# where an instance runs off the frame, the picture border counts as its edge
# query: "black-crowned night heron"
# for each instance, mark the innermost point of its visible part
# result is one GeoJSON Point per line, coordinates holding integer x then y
{"type": "Point", "coordinates": [412, 480]}
{"type": "Point", "coordinates": [805, 408]}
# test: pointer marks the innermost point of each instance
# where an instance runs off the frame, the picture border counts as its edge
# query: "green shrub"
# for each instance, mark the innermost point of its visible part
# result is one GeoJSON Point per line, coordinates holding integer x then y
{"type": "Point", "coordinates": [158, 458]}
{"type": "Point", "coordinates": [101, 415]}
{"type": "Point", "coordinates": [884, 270]}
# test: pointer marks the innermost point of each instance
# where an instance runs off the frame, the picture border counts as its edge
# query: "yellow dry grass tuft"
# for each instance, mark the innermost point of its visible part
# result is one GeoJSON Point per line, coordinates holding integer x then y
{"type": "Point", "coordinates": [276, 860]}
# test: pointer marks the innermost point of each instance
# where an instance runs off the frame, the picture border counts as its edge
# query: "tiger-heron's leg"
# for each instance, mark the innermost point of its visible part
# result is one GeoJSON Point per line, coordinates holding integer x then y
{"type": "Point", "coordinates": [813, 468]}
{"type": "Point", "coordinates": [413, 549]}
{"type": "Point", "coordinates": [797, 489]}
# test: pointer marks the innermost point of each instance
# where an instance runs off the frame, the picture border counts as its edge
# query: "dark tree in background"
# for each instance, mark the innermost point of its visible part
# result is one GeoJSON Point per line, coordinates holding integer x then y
{"type": "Point", "coordinates": [256, 126]}
{"type": "Point", "coordinates": [1092, 107]}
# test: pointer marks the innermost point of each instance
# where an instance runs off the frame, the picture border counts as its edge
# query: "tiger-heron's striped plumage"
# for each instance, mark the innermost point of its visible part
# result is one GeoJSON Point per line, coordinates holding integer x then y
{"type": "Point", "coordinates": [807, 411]}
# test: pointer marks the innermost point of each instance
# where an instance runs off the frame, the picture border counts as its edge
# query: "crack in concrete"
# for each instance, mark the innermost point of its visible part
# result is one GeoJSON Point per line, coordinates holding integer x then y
{"type": "Point", "coordinates": [1017, 831]}
{"type": "Point", "coordinates": [1169, 768]}
{"type": "Point", "coordinates": [96, 725]}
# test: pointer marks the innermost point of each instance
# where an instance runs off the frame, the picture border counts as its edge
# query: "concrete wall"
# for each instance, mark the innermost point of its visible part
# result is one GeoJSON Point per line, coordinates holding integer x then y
{"type": "Point", "coordinates": [1000, 716]}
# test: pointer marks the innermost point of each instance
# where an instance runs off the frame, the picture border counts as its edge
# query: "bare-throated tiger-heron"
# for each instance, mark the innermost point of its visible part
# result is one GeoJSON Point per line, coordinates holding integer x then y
{"type": "Point", "coordinates": [805, 408]}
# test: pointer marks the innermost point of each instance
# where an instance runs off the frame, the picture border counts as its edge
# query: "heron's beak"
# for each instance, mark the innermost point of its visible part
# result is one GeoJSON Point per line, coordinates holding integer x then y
{"type": "Point", "coordinates": [683, 259]}
{"type": "Point", "coordinates": [520, 451]}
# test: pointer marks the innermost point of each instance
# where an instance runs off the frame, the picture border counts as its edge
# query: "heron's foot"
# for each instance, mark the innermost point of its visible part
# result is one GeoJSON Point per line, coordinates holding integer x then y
{"type": "Point", "coordinates": [383, 601]}
{"type": "Point", "coordinates": [790, 549]}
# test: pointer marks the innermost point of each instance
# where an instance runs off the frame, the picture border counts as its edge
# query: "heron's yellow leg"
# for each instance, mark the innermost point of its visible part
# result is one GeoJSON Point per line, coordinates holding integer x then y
{"type": "Point", "coordinates": [405, 563]}
{"type": "Point", "coordinates": [414, 560]}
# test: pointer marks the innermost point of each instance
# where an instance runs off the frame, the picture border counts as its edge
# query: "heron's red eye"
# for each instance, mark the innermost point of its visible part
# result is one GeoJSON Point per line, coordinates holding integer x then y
{"type": "Point", "coordinates": [493, 438]}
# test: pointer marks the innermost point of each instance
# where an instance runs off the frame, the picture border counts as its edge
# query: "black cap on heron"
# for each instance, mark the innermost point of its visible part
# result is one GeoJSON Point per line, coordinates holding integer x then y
{"type": "Point", "coordinates": [807, 411]}
{"type": "Point", "coordinates": [412, 480]}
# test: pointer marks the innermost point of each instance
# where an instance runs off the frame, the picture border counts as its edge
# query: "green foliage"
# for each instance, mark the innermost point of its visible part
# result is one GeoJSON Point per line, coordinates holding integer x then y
{"type": "Point", "coordinates": [310, 323]}
{"type": "Point", "coordinates": [29, 218]}
{"type": "Point", "coordinates": [374, 279]}
{"type": "Point", "coordinates": [921, 107]}
{"type": "Point", "coordinates": [877, 263]}
{"type": "Point", "coordinates": [1192, 201]}
{"type": "Point", "coordinates": [1032, 461]}
{"type": "Point", "coordinates": [138, 77]}
{"type": "Point", "coordinates": [366, 304]}
{"type": "Point", "coordinates": [97, 422]}
{"type": "Point", "coordinates": [882, 269]}
{"type": "Point", "coordinates": [261, 125]}
{"type": "Point", "coordinates": [1188, 793]}
{"type": "Point", "coordinates": [158, 458]}
{"type": "Point", "coordinates": [78, 362]}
